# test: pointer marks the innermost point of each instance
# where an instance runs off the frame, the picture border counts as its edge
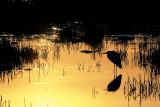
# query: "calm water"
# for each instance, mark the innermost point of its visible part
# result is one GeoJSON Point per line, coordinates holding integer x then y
{"type": "Point", "coordinates": [49, 70]}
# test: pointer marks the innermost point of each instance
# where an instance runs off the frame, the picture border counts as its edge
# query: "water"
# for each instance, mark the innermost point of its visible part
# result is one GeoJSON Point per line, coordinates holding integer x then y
{"type": "Point", "coordinates": [53, 70]}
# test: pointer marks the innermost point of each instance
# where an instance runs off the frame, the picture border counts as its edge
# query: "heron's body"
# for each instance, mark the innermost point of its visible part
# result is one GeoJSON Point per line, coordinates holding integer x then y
{"type": "Point", "coordinates": [115, 58]}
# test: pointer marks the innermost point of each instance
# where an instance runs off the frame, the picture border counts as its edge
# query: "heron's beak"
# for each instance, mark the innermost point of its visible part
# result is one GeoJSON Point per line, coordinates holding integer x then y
{"type": "Point", "coordinates": [104, 53]}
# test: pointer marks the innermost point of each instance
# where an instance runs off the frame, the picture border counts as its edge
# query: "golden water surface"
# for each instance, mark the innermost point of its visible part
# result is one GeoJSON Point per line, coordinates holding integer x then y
{"type": "Point", "coordinates": [62, 76]}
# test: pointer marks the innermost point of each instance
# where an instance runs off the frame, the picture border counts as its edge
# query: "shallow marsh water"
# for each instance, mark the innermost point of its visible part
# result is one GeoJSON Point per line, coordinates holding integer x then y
{"type": "Point", "coordinates": [58, 73]}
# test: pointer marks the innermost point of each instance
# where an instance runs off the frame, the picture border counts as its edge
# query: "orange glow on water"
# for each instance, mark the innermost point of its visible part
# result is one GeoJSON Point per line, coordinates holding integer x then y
{"type": "Point", "coordinates": [62, 76]}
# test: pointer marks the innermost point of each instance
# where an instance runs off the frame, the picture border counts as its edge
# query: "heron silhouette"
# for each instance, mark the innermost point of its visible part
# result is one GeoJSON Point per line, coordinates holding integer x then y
{"type": "Point", "coordinates": [115, 58]}
{"type": "Point", "coordinates": [115, 84]}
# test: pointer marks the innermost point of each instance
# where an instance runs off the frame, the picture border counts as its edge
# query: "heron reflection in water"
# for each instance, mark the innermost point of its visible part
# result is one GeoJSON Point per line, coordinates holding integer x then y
{"type": "Point", "coordinates": [115, 84]}
{"type": "Point", "coordinates": [115, 58]}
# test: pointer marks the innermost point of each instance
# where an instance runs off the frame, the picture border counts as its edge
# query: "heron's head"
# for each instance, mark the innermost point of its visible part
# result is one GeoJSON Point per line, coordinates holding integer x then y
{"type": "Point", "coordinates": [120, 76]}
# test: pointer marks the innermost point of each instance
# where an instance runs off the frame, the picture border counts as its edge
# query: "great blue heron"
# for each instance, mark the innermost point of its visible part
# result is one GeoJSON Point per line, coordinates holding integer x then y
{"type": "Point", "coordinates": [115, 58]}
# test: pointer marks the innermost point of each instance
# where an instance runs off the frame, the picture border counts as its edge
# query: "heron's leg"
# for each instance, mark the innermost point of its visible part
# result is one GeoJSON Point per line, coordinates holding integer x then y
{"type": "Point", "coordinates": [114, 71]}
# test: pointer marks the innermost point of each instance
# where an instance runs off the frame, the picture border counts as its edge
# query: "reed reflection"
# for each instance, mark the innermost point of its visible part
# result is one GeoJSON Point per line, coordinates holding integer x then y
{"type": "Point", "coordinates": [13, 59]}
{"type": "Point", "coordinates": [142, 89]}
{"type": "Point", "coordinates": [4, 103]}
{"type": "Point", "coordinates": [147, 54]}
